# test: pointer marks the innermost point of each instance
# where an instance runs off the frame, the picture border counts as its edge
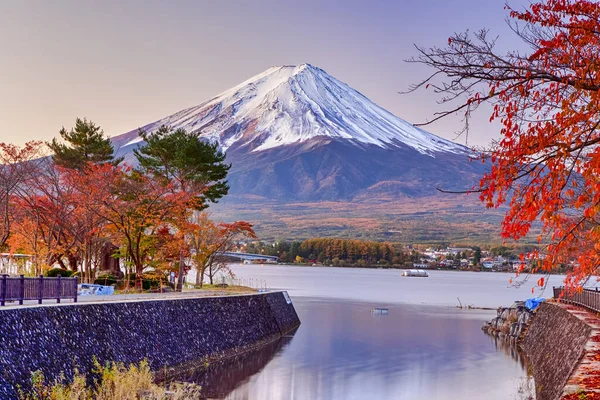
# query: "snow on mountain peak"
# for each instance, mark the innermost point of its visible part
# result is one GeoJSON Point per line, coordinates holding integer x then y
{"type": "Point", "coordinates": [293, 104]}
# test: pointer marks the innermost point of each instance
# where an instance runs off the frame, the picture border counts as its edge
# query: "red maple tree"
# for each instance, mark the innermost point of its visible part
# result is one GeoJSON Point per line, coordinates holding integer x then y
{"type": "Point", "coordinates": [546, 165]}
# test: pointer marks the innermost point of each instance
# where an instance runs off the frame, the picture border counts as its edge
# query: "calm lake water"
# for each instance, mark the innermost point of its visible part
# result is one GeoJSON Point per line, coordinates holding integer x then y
{"type": "Point", "coordinates": [425, 348]}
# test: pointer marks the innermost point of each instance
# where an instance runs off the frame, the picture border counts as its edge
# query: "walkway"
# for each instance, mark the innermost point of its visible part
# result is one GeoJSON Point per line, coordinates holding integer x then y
{"type": "Point", "coordinates": [131, 297]}
{"type": "Point", "coordinates": [584, 382]}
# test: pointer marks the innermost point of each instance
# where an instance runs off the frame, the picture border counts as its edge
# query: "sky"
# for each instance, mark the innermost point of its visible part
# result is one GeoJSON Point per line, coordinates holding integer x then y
{"type": "Point", "coordinates": [126, 63]}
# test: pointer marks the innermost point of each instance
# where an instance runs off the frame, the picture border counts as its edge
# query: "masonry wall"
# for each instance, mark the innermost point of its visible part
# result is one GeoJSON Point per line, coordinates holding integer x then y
{"type": "Point", "coordinates": [554, 343]}
{"type": "Point", "coordinates": [167, 333]}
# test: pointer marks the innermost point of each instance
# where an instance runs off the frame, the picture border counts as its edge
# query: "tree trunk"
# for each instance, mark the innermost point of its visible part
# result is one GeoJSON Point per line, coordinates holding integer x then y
{"type": "Point", "coordinates": [61, 263]}
{"type": "Point", "coordinates": [139, 271]}
{"type": "Point", "coordinates": [180, 275]}
{"type": "Point", "coordinates": [73, 262]}
{"type": "Point", "coordinates": [199, 275]}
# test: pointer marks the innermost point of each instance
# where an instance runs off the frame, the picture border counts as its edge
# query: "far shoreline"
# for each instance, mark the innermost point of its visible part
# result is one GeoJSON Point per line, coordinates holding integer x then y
{"type": "Point", "coordinates": [400, 268]}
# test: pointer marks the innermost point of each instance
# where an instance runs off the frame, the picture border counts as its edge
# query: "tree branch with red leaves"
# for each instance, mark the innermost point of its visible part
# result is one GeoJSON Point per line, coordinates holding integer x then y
{"type": "Point", "coordinates": [546, 164]}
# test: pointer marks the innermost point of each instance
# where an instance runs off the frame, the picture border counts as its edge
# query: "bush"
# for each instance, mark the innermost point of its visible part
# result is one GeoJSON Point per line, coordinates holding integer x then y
{"type": "Point", "coordinates": [148, 282]}
{"type": "Point", "coordinates": [106, 280]}
{"type": "Point", "coordinates": [112, 381]}
{"type": "Point", "coordinates": [54, 272]}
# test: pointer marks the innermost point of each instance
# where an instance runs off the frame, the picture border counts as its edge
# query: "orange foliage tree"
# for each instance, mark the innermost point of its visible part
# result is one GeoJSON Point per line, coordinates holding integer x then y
{"type": "Point", "coordinates": [18, 166]}
{"type": "Point", "coordinates": [136, 207]}
{"type": "Point", "coordinates": [207, 241]}
{"type": "Point", "coordinates": [546, 165]}
{"type": "Point", "coordinates": [44, 218]}
{"type": "Point", "coordinates": [71, 208]}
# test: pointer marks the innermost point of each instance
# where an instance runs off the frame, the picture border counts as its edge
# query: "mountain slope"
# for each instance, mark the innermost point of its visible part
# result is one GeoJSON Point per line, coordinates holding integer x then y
{"type": "Point", "coordinates": [297, 133]}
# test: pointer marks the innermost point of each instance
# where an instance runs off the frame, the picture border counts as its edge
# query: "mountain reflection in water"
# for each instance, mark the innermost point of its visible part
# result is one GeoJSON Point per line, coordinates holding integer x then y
{"type": "Point", "coordinates": [343, 351]}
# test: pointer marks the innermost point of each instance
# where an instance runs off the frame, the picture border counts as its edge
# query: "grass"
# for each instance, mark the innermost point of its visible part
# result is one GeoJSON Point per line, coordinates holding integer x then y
{"type": "Point", "coordinates": [233, 289]}
{"type": "Point", "coordinates": [113, 381]}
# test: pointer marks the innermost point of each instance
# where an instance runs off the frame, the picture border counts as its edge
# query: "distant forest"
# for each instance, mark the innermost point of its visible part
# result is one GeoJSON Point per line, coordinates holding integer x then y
{"type": "Point", "coordinates": [337, 252]}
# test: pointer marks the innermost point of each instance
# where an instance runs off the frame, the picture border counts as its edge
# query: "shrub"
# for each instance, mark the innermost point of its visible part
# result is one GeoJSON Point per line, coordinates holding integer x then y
{"type": "Point", "coordinates": [106, 280]}
{"type": "Point", "coordinates": [148, 282]}
{"type": "Point", "coordinates": [54, 272]}
{"type": "Point", "coordinates": [112, 381]}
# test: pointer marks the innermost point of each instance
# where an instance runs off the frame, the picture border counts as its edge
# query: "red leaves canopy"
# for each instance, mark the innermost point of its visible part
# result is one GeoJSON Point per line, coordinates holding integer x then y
{"type": "Point", "coordinates": [546, 165]}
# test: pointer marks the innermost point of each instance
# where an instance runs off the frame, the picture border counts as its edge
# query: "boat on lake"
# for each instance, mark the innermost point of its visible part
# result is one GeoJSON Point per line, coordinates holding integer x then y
{"type": "Point", "coordinates": [416, 272]}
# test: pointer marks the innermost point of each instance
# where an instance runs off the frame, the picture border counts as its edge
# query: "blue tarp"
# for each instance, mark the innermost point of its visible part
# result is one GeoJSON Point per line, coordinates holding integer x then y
{"type": "Point", "coordinates": [88, 289]}
{"type": "Point", "coordinates": [534, 302]}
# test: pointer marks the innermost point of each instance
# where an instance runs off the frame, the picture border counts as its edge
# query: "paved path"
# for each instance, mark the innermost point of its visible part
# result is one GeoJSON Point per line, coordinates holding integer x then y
{"type": "Point", "coordinates": [584, 382]}
{"type": "Point", "coordinates": [130, 297]}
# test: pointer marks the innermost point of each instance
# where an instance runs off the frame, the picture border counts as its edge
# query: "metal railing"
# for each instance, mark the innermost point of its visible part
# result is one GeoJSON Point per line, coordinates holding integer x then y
{"type": "Point", "coordinates": [253, 283]}
{"type": "Point", "coordinates": [588, 298]}
{"type": "Point", "coordinates": [39, 288]}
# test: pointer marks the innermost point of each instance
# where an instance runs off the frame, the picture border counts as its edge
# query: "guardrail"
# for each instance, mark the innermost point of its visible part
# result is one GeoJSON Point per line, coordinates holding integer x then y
{"type": "Point", "coordinates": [588, 298]}
{"type": "Point", "coordinates": [39, 288]}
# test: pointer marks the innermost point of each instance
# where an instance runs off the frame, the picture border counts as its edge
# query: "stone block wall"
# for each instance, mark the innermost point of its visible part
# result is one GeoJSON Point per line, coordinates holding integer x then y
{"type": "Point", "coordinates": [554, 343]}
{"type": "Point", "coordinates": [167, 333]}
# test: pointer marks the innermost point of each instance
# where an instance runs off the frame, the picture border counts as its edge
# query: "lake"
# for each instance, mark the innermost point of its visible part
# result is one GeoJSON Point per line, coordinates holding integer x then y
{"type": "Point", "coordinates": [424, 347]}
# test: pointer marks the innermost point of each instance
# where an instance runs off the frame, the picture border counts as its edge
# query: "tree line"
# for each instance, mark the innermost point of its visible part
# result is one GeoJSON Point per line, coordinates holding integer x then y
{"type": "Point", "coordinates": [337, 252]}
{"type": "Point", "coordinates": [71, 203]}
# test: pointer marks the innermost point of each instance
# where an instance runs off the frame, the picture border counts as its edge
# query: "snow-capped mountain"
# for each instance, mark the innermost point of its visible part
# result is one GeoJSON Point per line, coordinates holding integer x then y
{"type": "Point", "coordinates": [293, 104]}
{"type": "Point", "coordinates": [296, 132]}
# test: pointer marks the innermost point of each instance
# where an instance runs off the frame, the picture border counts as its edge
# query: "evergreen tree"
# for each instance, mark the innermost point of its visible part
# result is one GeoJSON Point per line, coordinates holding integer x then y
{"type": "Point", "coordinates": [294, 250]}
{"type": "Point", "coordinates": [476, 255]}
{"type": "Point", "coordinates": [183, 157]}
{"type": "Point", "coordinates": [84, 143]}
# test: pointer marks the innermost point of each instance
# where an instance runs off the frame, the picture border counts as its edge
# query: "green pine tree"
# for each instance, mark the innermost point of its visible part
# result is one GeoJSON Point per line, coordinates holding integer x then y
{"type": "Point", "coordinates": [476, 255]}
{"type": "Point", "coordinates": [84, 143]}
{"type": "Point", "coordinates": [179, 156]}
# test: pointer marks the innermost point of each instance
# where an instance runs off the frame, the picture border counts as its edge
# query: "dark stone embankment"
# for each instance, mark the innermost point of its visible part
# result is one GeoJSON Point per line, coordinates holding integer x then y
{"type": "Point", "coordinates": [552, 338]}
{"type": "Point", "coordinates": [167, 333]}
{"type": "Point", "coordinates": [554, 344]}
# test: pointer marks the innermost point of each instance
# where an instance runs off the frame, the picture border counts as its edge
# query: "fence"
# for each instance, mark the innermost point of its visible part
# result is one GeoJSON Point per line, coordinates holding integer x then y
{"type": "Point", "coordinates": [253, 283]}
{"type": "Point", "coordinates": [21, 288]}
{"type": "Point", "coordinates": [588, 298]}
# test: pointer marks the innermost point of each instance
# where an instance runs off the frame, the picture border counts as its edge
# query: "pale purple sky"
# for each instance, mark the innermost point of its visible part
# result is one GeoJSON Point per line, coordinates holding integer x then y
{"type": "Point", "coordinates": [125, 63]}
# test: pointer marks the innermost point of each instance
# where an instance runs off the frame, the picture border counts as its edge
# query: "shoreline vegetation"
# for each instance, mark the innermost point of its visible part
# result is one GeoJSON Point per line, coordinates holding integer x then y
{"type": "Point", "coordinates": [351, 253]}
{"type": "Point", "coordinates": [108, 382]}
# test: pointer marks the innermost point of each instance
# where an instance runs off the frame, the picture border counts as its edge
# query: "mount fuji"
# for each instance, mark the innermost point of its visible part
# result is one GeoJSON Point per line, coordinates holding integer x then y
{"type": "Point", "coordinates": [295, 133]}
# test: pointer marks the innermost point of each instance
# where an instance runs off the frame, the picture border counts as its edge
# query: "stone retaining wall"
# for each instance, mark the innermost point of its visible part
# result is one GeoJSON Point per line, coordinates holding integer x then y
{"type": "Point", "coordinates": [167, 333]}
{"type": "Point", "coordinates": [510, 323]}
{"type": "Point", "coordinates": [554, 343]}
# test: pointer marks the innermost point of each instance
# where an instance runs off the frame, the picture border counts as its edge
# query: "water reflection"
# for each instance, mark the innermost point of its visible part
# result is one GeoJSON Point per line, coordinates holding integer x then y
{"type": "Point", "coordinates": [526, 386]}
{"type": "Point", "coordinates": [219, 378]}
{"type": "Point", "coordinates": [510, 349]}
{"type": "Point", "coordinates": [343, 351]}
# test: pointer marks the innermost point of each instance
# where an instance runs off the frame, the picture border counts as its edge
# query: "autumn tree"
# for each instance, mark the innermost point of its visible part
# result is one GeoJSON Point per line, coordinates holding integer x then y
{"type": "Point", "coordinates": [80, 147]}
{"type": "Point", "coordinates": [188, 164]}
{"type": "Point", "coordinates": [166, 253]}
{"type": "Point", "coordinates": [83, 144]}
{"type": "Point", "coordinates": [135, 205]}
{"type": "Point", "coordinates": [18, 165]}
{"type": "Point", "coordinates": [208, 240]}
{"type": "Point", "coordinates": [43, 220]}
{"type": "Point", "coordinates": [546, 164]}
